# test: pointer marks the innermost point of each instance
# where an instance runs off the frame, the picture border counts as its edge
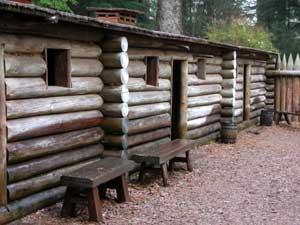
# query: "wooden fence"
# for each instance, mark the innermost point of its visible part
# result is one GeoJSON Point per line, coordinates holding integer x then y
{"type": "Point", "coordinates": [287, 86]}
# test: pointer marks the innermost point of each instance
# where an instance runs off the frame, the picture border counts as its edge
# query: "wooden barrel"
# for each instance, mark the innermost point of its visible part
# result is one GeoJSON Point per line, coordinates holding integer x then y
{"type": "Point", "coordinates": [266, 118]}
{"type": "Point", "coordinates": [229, 132]}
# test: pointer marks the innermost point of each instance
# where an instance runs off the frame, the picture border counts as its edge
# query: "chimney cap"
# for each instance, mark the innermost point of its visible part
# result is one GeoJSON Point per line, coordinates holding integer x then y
{"type": "Point", "coordinates": [121, 10]}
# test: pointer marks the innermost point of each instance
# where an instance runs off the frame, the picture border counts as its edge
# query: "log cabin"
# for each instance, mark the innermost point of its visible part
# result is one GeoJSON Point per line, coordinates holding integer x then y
{"type": "Point", "coordinates": [75, 88]}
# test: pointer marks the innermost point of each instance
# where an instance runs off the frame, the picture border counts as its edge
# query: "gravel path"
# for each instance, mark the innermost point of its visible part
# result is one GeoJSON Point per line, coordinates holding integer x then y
{"type": "Point", "coordinates": [255, 181]}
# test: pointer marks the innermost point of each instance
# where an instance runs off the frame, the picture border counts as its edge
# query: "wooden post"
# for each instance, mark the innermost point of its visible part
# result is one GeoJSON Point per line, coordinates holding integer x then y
{"type": "Point", "coordinates": [183, 99]}
{"type": "Point", "coordinates": [3, 190]}
{"type": "Point", "coordinates": [247, 84]}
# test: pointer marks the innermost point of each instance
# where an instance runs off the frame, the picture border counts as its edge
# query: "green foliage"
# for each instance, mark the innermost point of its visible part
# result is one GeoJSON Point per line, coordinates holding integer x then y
{"type": "Point", "coordinates": [245, 35]}
{"type": "Point", "coordinates": [62, 5]}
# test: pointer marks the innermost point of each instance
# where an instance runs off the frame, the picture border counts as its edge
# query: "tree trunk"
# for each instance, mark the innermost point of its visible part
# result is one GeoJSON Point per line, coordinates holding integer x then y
{"type": "Point", "coordinates": [169, 16]}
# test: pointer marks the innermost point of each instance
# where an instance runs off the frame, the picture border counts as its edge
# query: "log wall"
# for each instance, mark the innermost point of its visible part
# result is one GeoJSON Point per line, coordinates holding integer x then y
{"type": "Point", "coordinates": [50, 130]}
{"type": "Point", "coordinates": [204, 101]}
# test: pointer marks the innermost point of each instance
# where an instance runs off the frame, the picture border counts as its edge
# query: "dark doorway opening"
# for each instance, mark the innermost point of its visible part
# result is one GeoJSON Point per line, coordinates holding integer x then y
{"type": "Point", "coordinates": [176, 98]}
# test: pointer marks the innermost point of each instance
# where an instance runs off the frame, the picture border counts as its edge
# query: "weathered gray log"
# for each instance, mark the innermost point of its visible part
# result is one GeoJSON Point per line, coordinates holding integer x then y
{"type": "Point", "coordinates": [197, 112]}
{"type": "Point", "coordinates": [137, 69]}
{"type": "Point", "coordinates": [115, 94]}
{"type": "Point", "coordinates": [25, 206]}
{"type": "Point", "coordinates": [27, 187]}
{"type": "Point", "coordinates": [37, 147]}
{"type": "Point", "coordinates": [258, 85]}
{"type": "Point", "coordinates": [115, 60]}
{"type": "Point", "coordinates": [270, 101]}
{"type": "Point", "coordinates": [139, 84]}
{"type": "Point", "coordinates": [150, 145]}
{"type": "Point", "coordinates": [208, 138]}
{"type": "Point", "coordinates": [34, 167]}
{"type": "Point", "coordinates": [85, 50]}
{"type": "Point", "coordinates": [270, 80]}
{"type": "Point", "coordinates": [240, 79]}
{"type": "Point", "coordinates": [204, 90]}
{"type": "Point", "coordinates": [229, 64]}
{"type": "Point", "coordinates": [210, 79]}
{"type": "Point", "coordinates": [86, 67]}
{"type": "Point", "coordinates": [229, 83]}
{"type": "Point", "coordinates": [258, 70]}
{"type": "Point", "coordinates": [209, 69]}
{"type": "Point", "coordinates": [255, 113]}
{"type": "Point", "coordinates": [202, 131]}
{"type": "Point", "coordinates": [115, 125]}
{"type": "Point", "coordinates": [20, 129]}
{"type": "Point", "coordinates": [228, 74]}
{"type": "Point", "coordinates": [204, 100]}
{"type": "Point", "coordinates": [165, 70]}
{"type": "Point", "coordinates": [258, 78]}
{"type": "Point", "coordinates": [45, 106]}
{"type": "Point", "coordinates": [239, 87]}
{"type": "Point", "coordinates": [149, 123]}
{"type": "Point", "coordinates": [149, 97]}
{"type": "Point", "coordinates": [115, 141]}
{"type": "Point", "coordinates": [228, 93]}
{"type": "Point", "coordinates": [228, 102]}
{"type": "Point", "coordinates": [22, 88]}
{"type": "Point", "coordinates": [148, 136]}
{"type": "Point", "coordinates": [192, 124]}
{"type": "Point", "coordinates": [270, 94]}
{"type": "Point", "coordinates": [116, 44]}
{"type": "Point", "coordinates": [115, 77]}
{"type": "Point", "coordinates": [257, 106]}
{"type": "Point", "coordinates": [229, 56]}
{"type": "Point", "coordinates": [258, 92]}
{"type": "Point", "coordinates": [239, 104]}
{"type": "Point", "coordinates": [214, 60]}
{"type": "Point", "coordinates": [115, 109]}
{"type": "Point", "coordinates": [141, 111]}
{"type": "Point", "coordinates": [24, 66]}
{"type": "Point", "coordinates": [239, 95]}
{"type": "Point", "coordinates": [270, 87]}
{"type": "Point", "coordinates": [227, 112]}
{"type": "Point", "coordinates": [257, 99]}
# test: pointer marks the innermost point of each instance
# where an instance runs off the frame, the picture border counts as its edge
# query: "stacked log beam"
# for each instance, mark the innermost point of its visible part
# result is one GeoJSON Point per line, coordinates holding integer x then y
{"type": "Point", "coordinates": [149, 118]}
{"type": "Point", "coordinates": [50, 130]}
{"type": "Point", "coordinates": [204, 101]}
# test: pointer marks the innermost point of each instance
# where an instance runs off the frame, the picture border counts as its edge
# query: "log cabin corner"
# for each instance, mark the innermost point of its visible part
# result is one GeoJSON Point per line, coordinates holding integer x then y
{"type": "Point", "coordinates": [74, 88]}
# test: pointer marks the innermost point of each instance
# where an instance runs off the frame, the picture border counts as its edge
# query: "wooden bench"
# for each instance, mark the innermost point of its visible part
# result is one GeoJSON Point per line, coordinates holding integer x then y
{"type": "Point", "coordinates": [165, 153]}
{"type": "Point", "coordinates": [280, 114]}
{"type": "Point", "coordinates": [85, 184]}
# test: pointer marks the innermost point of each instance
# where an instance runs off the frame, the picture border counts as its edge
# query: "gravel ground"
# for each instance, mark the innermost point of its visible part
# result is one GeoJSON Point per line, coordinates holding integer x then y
{"type": "Point", "coordinates": [255, 181]}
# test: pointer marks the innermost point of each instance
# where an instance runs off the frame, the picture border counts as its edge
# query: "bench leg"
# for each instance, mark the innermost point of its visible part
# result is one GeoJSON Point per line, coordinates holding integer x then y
{"type": "Point", "coordinates": [142, 172]}
{"type": "Point", "coordinates": [68, 208]}
{"type": "Point", "coordinates": [94, 205]}
{"type": "Point", "coordinates": [286, 116]}
{"type": "Point", "coordinates": [171, 165]}
{"type": "Point", "coordinates": [122, 189]}
{"type": "Point", "coordinates": [278, 118]}
{"type": "Point", "coordinates": [189, 161]}
{"type": "Point", "coordinates": [164, 171]}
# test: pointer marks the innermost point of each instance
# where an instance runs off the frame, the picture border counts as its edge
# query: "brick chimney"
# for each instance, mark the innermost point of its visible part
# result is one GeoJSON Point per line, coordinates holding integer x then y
{"type": "Point", "coordinates": [116, 15]}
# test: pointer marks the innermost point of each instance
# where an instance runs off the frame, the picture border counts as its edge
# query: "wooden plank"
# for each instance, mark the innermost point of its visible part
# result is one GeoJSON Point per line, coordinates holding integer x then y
{"type": "Point", "coordinates": [277, 94]}
{"type": "Point", "coordinates": [183, 99]}
{"type": "Point", "coordinates": [283, 94]}
{"type": "Point", "coordinates": [98, 173]}
{"type": "Point", "coordinates": [3, 139]}
{"type": "Point", "coordinates": [247, 92]}
{"type": "Point", "coordinates": [289, 100]}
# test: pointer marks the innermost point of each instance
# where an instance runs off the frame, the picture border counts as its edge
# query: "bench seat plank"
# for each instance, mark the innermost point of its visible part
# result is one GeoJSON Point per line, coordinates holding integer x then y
{"type": "Point", "coordinates": [164, 152]}
{"type": "Point", "coordinates": [98, 173]}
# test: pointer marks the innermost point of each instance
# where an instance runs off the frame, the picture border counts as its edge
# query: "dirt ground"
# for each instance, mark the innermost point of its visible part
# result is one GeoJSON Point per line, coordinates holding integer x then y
{"type": "Point", "coordinates": [256, 181]}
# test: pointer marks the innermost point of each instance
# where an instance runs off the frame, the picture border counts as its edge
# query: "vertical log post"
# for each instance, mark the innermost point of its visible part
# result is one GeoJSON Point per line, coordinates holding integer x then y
{"type": "Point", "coordinates": [3, 194]}
{"type": "Point", "coordinates": [247, 83]}
{"type": "Point", "coordinates": [183, 99]}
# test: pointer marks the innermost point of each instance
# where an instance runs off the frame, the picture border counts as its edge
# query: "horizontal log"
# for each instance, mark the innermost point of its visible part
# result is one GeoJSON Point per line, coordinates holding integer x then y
{"type": "Point", "coordinates": [256, 113]}
{"type": "Point", "coordinates": [209, 69]}
{"type": "Point", "coordinates": [270, 80]}
{"type": "Point", "coordinates": [215, 60]}
{"type": "Point", "coordinates": [239, 95]}
{"type": "Point", "coordinates": [204, 100]}
{"type": "Point", "coordinates": [229, 56]}
{"type": "Point", "coordinates": [270, 101]}
{"type": "Point", "coordinates": [45, 106]}
{"type": "Point", "coordinates": [202, 131]}
{"type": "Point", "coordinates": [239, 104]}
{"type": "Point", "coordinates": [115, 94]}
{"type": "Point", "coordinates": [116, 44]}
{"type": "Point", "coordinates": [25, 206]}
{"type": "Point", "coordinates": [148, 136]}
{"type": "Point", "coordinates": [270, 87]}
{"type": "Point", "coordinates": [38, 147]}
{"type": "Point", "coordinates": [141, 111]}
{"type": "Point", "coordinates": [20, 129]}
{"type": "Point", "coordinates": [240, 79]}
{"type": "Point", "coordinates": [228, 74]}
{"type": "Point", "coordinates": [23, 88]}
{"type": "Point", "coordinates": [115, 125]}
{"type": "Point", "coordinates": [257, 85]}
{"type": "Point", "coordinates": [115, 142]}
{"type": "Point", "coordinates": [257, 106]}
{"type": "Point", "coordinates": [275, 73]}
{"type": "Point", "coordinates": [228, 93]}
{"type": "Point", "coordinates": [115, 77]}
{"type": "Point", "coordinates": [115, 60]}
{"type": "Point", "coordinates": [149, 123]}
{"type": "Point", "coordinates": [258, 78]}
{"type": "Point", "coordinates": [202, 111]}
{"type": "Point", "coordinates": [270, 94]}
{"type": "Point", "coordinates": [257, 99]}
{"type": "Point", "coordinates": [210, 79]}
{"type": "Point", "coordinates": [258, 70]}
{"type": "Point", "coordinates": [27, 187]}
{"type": "Point", "coordinates": [239, 87]}
{"type": "Point", "coordinates": [208, 138]}
{"type": "Point", "coordinates": [231, 112]}
{"type": "Point", "coordinates": [85, 50]}
{"type": "Point", "coordinates": [193, 124]}
{"type": "Point", "coordinates": [35, 167]}
{"type": "Point", "coordinates": [139, 84]}
{"type": "Point", "coordinates": [137, 68]}
{"type": "Point", "coordinates": [115, 109]}
{"type": "Point", "coordinates": [150, 145]}
{"type": "Point", "coordinates": [165, 70]}
{"type": "Point", "coordinates": [271, 67]}
{"type": "Point", "coordinates": [228, 102]}
{"type": "Point", "coordinates": [229, 64]}
{"type": "Point", "coordinates": [86, 67]}
{"type": "Point", "coordinates": [24, 66]}
{"type": "Point", "coordinates": [228, 83]}
{"type": "Point", "coordinates": [258, 92]}
{"type": "Point", "coordinates": [203, 90]}
{"type": "Point", "coordinates": [141, 98]}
